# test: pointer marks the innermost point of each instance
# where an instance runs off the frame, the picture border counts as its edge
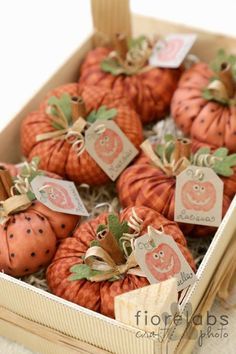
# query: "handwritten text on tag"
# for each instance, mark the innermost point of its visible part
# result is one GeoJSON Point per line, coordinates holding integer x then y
{"type": "Point", "coordinates": [199, 197]}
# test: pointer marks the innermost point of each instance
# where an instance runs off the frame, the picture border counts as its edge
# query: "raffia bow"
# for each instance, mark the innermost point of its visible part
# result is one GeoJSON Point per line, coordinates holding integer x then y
{"type": "Point", "coordinates": [17, 196]}
{"type": "Point", "coordinates": [177, 163]}
{"type": "Point", "coordinates": [107, 265]}
{"type": "Point", "coordinates": [175, 156]}
{"type": "Point", "coordinates": [73, 134]}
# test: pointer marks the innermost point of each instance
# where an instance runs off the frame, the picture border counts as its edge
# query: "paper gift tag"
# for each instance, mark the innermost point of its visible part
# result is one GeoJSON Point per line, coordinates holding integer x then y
{"type": "Point", "coordinates": [58, 195]}
{"type": "Point", "coordinates": [160, 258]}
{"type": "Point", "coordinates": [199, 197]}
{"type": "Point", "coordinates": [172, 50]}
{"type": "Point", "coordinates": [109, 147]}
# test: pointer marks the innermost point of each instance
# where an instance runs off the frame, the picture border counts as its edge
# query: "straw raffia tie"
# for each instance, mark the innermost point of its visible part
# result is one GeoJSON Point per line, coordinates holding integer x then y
{"type": "Point", "coordinates": [172, 168]}
{"type": "Point", "coordinates": [18, 202]}
{"type": "Point", "coordinates": [73, 134]}
{"type": "Point", "coordinates": [136, 59]}
{"type": "Point", "coordinates": [98, 259]}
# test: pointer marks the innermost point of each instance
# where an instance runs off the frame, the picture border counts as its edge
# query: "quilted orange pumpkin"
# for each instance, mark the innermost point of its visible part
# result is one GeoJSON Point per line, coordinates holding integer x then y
{"type": "Point", "coordinates": [149, 90]}
{"type": "Point", "coordinates": [203, 105]}
{"type": "Point", "coordinates": [99, 295]}
{"type": "Point", "coordinates": [29, 238]}
{"type": "Point", "coordinates": [144, 183]}
{"type": "Point", "coordinates": [57, 154]}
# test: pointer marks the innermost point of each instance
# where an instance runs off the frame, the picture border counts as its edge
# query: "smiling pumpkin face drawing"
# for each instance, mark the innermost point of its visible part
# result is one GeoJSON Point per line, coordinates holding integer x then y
{"type": "Point", "coordinates": [199, 196]}
{"type": "Point", "coordinates": [163, 262]}
{"type": "Point", "coordinates": [108, 146]}
{"type": "Point", "coordinates": [58, 196]}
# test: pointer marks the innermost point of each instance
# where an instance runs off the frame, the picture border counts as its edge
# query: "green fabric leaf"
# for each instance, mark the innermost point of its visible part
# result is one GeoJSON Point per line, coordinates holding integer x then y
{"type": "Point", "coordinates": [64, 103]}
{"type": "Point", "coordinates": [209, 96]}
{"type": "Point", "coordinates": [223, 169]}
{"type": "Point", "coordinates": [31, 195]}
{"type": "Point", "coordinates": [95, 243]}
{"type": "Point", "coordinates": [102, 114]}
{"type": "Point", "coordinates": [231, 160]}
{"type": "Point", "coordinates": [100, 228]}
{"type": "Point", "coordinates": [112, 66]}
{"type": "Point", "coordinates": [221, 152]}
{"type": "Point", "coordinates": [136, 42]}
{"type": "Point", "coordinates": [116, 227]}
{"type": "Point", "coordinates": [82, 271]}
{"type": "Point", "coordinates": [159, 149]}
{"type": "Point", "coordinates": [169, 137]}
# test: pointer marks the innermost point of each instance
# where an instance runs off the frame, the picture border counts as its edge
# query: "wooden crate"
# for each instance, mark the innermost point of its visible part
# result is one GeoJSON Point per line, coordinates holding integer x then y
{"type": "Point", "coordinates": [48, 324]}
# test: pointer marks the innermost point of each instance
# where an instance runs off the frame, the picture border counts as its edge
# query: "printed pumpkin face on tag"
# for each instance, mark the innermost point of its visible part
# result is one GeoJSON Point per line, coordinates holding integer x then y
{"type": "Point", "coordinates": [199, 197]}
{"type": "Point", "coordinates": [58, 195]}
{"type": "Point", "coordinates": [160, 259]}
{"type": "Point", "coordinates": [109, 147]}
{"type": "Point", "coordinates": [172, 50]}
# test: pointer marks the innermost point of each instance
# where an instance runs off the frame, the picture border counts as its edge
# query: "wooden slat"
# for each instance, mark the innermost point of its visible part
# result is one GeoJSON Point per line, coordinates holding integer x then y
{"type": "Point", "coordinates": [110, 17]}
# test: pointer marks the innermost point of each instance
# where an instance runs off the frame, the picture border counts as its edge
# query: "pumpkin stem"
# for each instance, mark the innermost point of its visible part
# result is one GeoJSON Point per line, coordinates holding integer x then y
{"type": "Point", "coordinates": [182, 149]}
{"type": "Point", "coordinates": [121, 45]}
{"type": "Point", "coordinates": [78, 108]}
{"type": "Point", "coordinates": [6, 184]}
{"type": "Point", "coordinates": [226, 77]}
{"type": "Point", "coordinates": [108, 242]}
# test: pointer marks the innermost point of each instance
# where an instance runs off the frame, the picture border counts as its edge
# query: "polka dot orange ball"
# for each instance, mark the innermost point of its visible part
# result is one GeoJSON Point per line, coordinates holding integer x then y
{"type": "Point", "coordinates": [57, 153]}
{"type": "Point", "coordinates": [99, 295]}
{"type": "Point", "coordinates": [29, 238]}
{"type": "Point", "coordinates": [150, 91]}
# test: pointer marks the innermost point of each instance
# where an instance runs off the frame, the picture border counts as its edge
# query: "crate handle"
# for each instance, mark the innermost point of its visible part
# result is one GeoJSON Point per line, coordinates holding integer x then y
{"type": "Point", "coordinates": [110, 17]}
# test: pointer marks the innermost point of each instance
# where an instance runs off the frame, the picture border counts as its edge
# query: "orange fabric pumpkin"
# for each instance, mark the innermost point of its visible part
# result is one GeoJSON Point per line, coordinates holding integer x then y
{"type": "Point", "coordinates": [145, 184]}
{"type": "Point", "coordinates": [149, 92]}
{"type": "Point", "coordinates": [28, 239]}
{"type": "Point", "coordinates": [59, 156]}
{"type": "Point", "coordinates": [208, 122]}
{"type": "Point", "coordinates": [99, 296]}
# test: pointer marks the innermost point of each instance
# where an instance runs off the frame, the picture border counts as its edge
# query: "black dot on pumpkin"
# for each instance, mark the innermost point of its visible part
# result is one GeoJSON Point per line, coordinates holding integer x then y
{"type": "Point", "coordinates": [12, 255]}
{"type": "Point", "coordinates": [202, 120]}
{"type": "Point", "coordinates": [186, 108]}
{"type": "Point", "coordinates": [40, 266]}
{"type": "Point", "coordinates": [33, 254]}
{"type": "Point", "coordinates": [40, 231]}
{"type": "Point", "coordinates": [13, 220]}
{"type": "Point", "coordinates": [28, 231]}
{"type": "Point", "coordinates": [28, 218]}
{"type": "Point", "coordinates": [26, 269]}
{"type": "Point", "coordinates": [9, 268]}
{"type": "Point", "coordinates": [201, 106]}
{"type": "Point", "coordinates": [5, 228]}
{"type": "Point", "coordinates": [234, 133]}
{"type": "Point", "coordinates": [42, 218]}
{"type": "Point", "coordinates": [192, 118]}
{"type": "Point", "coordinates": [11, 236]}
{"type": "Point", "coordinates": [219, 133]}
{"type": "Point", "coordinates": [63, 226]}
{"type": "Point", "coordinates": [47, 251]}
{"type": "Point", "coordinates": [33, 204]}
{"type": "Point", "coordinates": [212, 110]}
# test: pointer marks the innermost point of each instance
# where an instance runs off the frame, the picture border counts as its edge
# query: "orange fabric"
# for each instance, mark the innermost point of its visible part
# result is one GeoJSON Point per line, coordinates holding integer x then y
{"type": "Point", "coordinates": [206, 121]}
{"type": "Point", "coordinates": [28, 239]}
{"type": "Point", "coordinates": [145, 184]}
{"type": "Point", "coordinates": [150, 93]}
{"type": "Point", "coordinates": [100, 296]}
{"type": "Point", "coordinates": [58, 156]}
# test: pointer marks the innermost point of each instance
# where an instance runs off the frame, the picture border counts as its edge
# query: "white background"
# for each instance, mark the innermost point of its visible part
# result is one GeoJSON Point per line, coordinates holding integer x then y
{"type": "Point", "coordinates": [36, 36]}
